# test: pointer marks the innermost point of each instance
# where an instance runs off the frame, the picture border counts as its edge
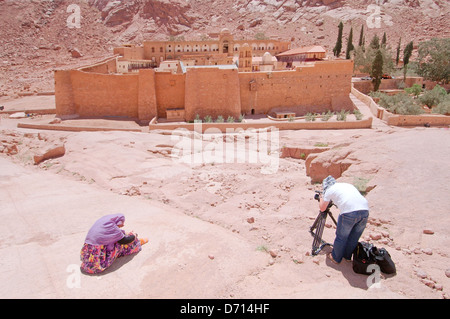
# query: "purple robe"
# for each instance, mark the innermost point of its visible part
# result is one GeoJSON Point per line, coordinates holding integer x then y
{"type": "Point", "coordinates": [105, 231]}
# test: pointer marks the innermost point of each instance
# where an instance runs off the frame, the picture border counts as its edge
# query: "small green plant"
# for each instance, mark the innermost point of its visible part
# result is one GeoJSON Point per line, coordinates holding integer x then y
{"type": "Point", "coordinates": [291, 118]}
{"type": "Point", "coordinates": [220, 119]}
{"type": "Point", "coordinates": [197, 118]}
{"type": "Point", "coordinates": [320, 144]}
{"type": "Point", "coordinates": [262, 248]}
{"type": "Point", "coordinates": [230, 119]}
{"type": "Point", "coordinates": [361, 184]}
{"type": "Point", "coordinates": [241, 118]}
{"type": "Point", "coordinates": [310, 117]}
{"type": "Point", "coordinates": [342, 115]}
{"type": "Point", "coordinates": [326, 116]}
{"type": "Point", "coordinates": [358, 114]}
{"type": "Point", "coordinates": [208, 119]}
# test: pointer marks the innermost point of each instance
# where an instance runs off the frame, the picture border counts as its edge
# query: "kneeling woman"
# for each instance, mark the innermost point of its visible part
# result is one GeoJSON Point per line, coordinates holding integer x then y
{"type": "Point", "coordinates": [105, 242]}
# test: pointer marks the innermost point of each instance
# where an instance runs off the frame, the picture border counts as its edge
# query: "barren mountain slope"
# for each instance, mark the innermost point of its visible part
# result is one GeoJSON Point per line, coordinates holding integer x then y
{"type": "Point", "coordinates": [36, 36]}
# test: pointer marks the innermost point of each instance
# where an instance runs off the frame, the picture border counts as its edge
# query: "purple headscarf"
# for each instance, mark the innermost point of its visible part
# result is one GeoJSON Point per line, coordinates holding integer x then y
{"type": "Point", "coordinates": [105, 230]}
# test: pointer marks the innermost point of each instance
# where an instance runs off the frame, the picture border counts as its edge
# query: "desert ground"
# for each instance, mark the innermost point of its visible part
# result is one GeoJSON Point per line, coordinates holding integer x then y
{"type": "Point", "coordinates": [216, 229]}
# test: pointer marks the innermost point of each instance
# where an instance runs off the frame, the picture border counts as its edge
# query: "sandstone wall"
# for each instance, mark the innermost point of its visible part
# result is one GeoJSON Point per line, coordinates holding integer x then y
{"type": "Point", "coordinates": [105, 67]}
{"type": "Point", "coordinates": [203, 91]}
{"type": "Point", "coordinates": [64, 94]}
{"type": "Point", "coordinates": [170, 92]}
{"type": "Point", "coordinates": [316, 88]}
{"type": "Point", "coordinates": [212, 91]}
{"type": "Point", "coordinates": [105, 95]}
{"type": "Point", "coordinates": [147, 105]}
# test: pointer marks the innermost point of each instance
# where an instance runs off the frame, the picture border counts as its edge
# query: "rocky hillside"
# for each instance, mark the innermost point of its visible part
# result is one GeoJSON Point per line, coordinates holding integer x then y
{"type": "Point", "coordinates": [37, 36]}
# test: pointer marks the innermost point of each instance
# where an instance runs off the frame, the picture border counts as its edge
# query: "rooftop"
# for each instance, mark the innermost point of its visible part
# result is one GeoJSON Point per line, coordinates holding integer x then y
{"type": "Point", "coordinates": [303, 50]}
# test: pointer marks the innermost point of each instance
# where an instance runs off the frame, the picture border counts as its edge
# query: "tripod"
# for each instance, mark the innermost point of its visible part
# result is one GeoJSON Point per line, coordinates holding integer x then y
{"type": "Point", "coordinates": [318, 225]}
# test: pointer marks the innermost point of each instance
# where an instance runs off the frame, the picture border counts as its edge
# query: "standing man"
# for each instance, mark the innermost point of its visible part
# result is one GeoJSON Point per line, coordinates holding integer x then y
{"type": "Point", "coordinates": [352, 220]}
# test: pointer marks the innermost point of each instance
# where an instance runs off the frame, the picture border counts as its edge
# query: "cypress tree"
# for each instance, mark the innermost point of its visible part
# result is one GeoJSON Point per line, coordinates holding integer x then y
{"type": "Point", "coordinates": [361, 36]}
{"type": "Point", "coordinates": [406, 55]}
{"type": "Point", "coordinates": [397, 59]}
{"type": "Point", "coordinates": [384, 40]}
{"type": "Point", "coordinates": [338, 47]}
{"type": "Point", "coordinates": [377, 70]}
{"type": "Point", "coordinates": [350, 46]}
{"type": "Point", "coordinates": [375, 42]}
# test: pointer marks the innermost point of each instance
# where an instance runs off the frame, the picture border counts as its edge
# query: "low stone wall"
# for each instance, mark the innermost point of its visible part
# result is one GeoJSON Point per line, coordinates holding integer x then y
{"type": "Point", "coordinates": [286, 125]}
{"type": "Point", "coordinates": [377, 111]}
{"type": "Point", "coordinates": [418, 120]}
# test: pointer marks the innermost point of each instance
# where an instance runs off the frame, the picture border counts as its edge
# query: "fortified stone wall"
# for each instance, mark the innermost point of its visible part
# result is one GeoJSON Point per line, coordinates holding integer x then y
{"type": "Point", "coordinates": [203, 91]}
{"type": "Point", "coordinates": [170, 92]}
{"type": "Point", "coordinates": [212, 91]}
{"type": "Point", "coordinates": [105, 67]}
{"type": "Point", "coordinates": [105, 95]}
{"type": "Point", "coordinates": [316, 88]}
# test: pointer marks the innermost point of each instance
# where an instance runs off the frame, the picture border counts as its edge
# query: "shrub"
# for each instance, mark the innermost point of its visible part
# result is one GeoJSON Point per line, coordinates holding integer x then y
{"type": "Point", "coordinates": [358, 114]}
{"type": "Point", "coordinates": [208, 119]}
{"type": "Point", "coordinates": [327, 116]}
{"type": "Point", "coordinates": [342, 115]}
{"type": "Point", "coordinates": [443, 107]}
{"type": "Point", "coordinates": [433, 97]}
{"type": "Point", "coordinates": [230, 119]}
{"type": "Point", "coordinates": [310, 117]}
{"type": "Point", "coordinates": [241, 118]}
{"type": "Point", "coordinates": [415, 90]}
{"type": "Point", "coordinates": [220, 119]}
{"type": "Point", "coordinates": [400, 103]}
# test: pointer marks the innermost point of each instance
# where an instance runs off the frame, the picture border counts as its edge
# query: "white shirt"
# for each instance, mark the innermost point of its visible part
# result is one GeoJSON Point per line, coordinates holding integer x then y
{"type": "Point", "coordinates": [346, 197]}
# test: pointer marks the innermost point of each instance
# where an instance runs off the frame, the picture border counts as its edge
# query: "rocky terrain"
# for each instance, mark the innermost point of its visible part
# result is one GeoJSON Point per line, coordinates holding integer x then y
{"type": "Point", "coordinates": [217, 229]}
{"type": "Point", "coordinates": [38, 36]}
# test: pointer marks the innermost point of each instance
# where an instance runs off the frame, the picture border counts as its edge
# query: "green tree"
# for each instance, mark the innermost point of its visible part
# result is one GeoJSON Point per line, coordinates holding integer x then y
{"type": "Point", "coordinates": [364, 59]}
{"type": "Point", "coordinates": [397, 58]}
{"type": "Point", "coordinates": [361, 37]}
{"type": "Point", "coordinates": [338, 47]}
{"type": "Point", "coordinates": [384, 40]}
{"type": "Point", "coordinates": [406, 55]}
{"type": "Point", "coordinates": [434, 60]}
{"type": "Point", "coordinates": [377, 70]}
{"type": "Point", "coordinates": [375, 42]}
{"type": "Point", "coordinates": [415, 90]}
{"type": "Point", "coordinates": [350, 46]}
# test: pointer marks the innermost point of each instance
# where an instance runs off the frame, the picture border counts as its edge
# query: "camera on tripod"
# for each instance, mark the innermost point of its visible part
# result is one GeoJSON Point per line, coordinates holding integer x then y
{"type": "Point", "coordinates": [317, 195]}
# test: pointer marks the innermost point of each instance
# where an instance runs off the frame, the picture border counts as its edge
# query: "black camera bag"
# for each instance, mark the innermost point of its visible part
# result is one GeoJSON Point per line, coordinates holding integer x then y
{"type": "Point", "coordinates": [385, 262]}
{"type": "Point", "coordinates": [363, 256]}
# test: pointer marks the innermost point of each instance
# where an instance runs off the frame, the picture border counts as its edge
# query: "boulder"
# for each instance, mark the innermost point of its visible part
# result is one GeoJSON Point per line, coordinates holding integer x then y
{"type": "Point", "coordinates": [53, 152]}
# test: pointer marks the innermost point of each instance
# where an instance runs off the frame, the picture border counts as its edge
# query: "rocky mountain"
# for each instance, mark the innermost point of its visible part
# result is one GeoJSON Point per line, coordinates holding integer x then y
{"type": "Point", "coordinates": [37, 36]}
